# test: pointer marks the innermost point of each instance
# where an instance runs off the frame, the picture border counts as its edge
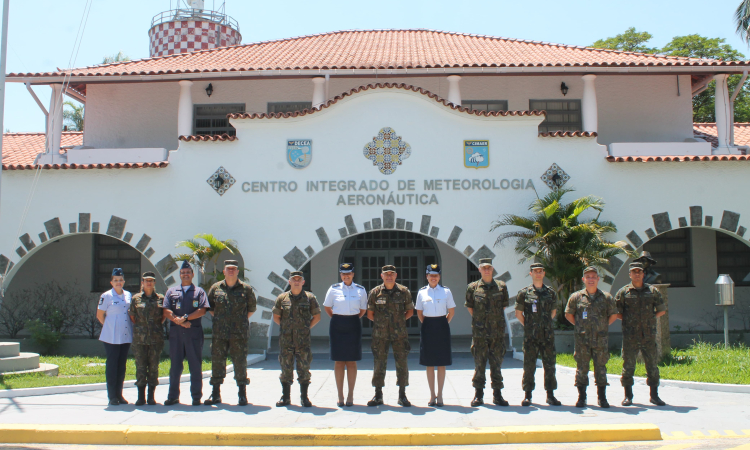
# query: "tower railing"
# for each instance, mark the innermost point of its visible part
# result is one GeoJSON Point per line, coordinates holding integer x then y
{"type": "Point", "coordinates": [195, 14]}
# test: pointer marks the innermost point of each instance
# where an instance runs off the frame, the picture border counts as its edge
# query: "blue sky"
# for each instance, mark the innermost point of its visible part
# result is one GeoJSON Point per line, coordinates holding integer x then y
{"type": "Point", "coordinates": [42, 32]}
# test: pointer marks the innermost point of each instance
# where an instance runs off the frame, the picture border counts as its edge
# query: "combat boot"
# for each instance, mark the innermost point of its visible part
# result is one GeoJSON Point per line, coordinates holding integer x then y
{"type": "Point", "coordinates": [150, 400]}
{"type": "Point", "coordinates": [497, 398]}
{"type": "Point", "coordinates": [304, 401]}
{"type": "Point", "coordinates": [378, 398]}
{"type": "Point", "coordinates": [551, 400]}
{"type": "Point", "coordinates": [527, 400]}
{"type": "Point", "coordinates": [601, 393]}
{"type": "Point", "coordinates": [478, 397]}
{"type": "Point", "coordinates": [402, 400]}
{"type": "Point", "coordinates": [242, 395]}
{"type": "Point", "coordinates": [141, 396]}
{"type": "Point", "coordinates": [581, 403]}
{"type": "Point", "coordinates": [285, 400]}
{"type": "Point", "coordinates": [655, 396]}
{"type": "Point", "coordinates": [215, 397]}
{"type": "Point", "coordinates": [628, 400]}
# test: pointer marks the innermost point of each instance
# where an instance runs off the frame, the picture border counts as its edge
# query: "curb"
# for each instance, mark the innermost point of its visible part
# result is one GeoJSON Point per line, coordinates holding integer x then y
{"type": "Point", "coordinates": [50, 390]}
{"type": "Point", "coordinates": [246, 436]}
{"type": "Point", "coordinates": [694, 385]}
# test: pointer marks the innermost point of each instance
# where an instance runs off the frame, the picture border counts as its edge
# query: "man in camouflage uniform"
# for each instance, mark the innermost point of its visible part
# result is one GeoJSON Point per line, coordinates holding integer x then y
{"type": "Point", "coordinates": [389, 306]}
{"type": "Point", "coordinates": [638, 305]}
{"type": "Point", "coordinates": [231, 302]}
{"type": "Point", "coordinates": [148, 338]}
{"type": "Point", "coordinates": [591, 311]}
{"type": "Point", "coordinates": [296, 312]}
{"type": "Point", "coordinates": [536, 306]}
{"type": "Point", "coordinates": [486, 300]}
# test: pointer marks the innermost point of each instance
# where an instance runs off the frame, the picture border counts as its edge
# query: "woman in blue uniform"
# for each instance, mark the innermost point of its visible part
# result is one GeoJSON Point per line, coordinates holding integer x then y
{"type": "Point", "coordinates": [117, 335]}
{"type": "Point", "coordinates": [345, 304]}
{"type": "Point", "coordinates": [435, 309]}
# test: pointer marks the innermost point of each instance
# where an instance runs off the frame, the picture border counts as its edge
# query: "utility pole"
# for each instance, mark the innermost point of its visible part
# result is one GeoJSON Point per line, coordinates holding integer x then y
{"type": "Point", "coordinates": [3, 59]}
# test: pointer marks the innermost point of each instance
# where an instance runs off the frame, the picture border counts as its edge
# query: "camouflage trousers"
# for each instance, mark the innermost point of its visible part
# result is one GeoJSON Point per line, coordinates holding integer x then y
{"type": "Point", "coordinates": [630, 349]}
{"type": "Point", "coordinates": [236, 348]}
{"type": "Point", "coordinates": [583, 355]}
{"type": "Point", "coordinates": [492, 349]}
{"type": "Point", "coordinates": [147, 363]}
{"type": "Point", "coordinates": [544, 349]}
{"type": "Point", "coordinates": [401, 348]}
{"type": "Point", "coordinates": [287, 356]}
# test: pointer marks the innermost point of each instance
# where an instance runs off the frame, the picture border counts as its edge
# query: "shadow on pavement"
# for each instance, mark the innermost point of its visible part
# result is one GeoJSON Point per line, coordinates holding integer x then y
{"type": "Point", "coordinates": [249, 409]}
{"type": "Point", "coordinates": [458, 408]}
{"type": "Point", "coordinates": [413, 410]}
{"type": "Point", "coordinates": [314, 410]}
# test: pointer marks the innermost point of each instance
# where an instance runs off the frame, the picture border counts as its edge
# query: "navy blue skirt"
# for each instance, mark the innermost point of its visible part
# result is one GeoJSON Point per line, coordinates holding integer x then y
{"type": "Point", "coordinates": [345, 334]}
{"type": "Point", "coordinates": [435, 342]}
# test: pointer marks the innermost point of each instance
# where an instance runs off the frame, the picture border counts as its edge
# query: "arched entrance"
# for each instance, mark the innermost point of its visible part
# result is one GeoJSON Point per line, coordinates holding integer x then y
{"type": "Point", "coordinates": [409, 252]}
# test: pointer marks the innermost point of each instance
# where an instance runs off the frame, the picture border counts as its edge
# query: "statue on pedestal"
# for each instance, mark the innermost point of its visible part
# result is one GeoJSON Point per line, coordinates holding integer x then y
{"type": "Point", "coordinates": [650, 275]}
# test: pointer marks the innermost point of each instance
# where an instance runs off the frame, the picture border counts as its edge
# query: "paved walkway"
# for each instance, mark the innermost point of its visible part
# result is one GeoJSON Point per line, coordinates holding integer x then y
{"type": "Point", "coordinates": [688, 411]}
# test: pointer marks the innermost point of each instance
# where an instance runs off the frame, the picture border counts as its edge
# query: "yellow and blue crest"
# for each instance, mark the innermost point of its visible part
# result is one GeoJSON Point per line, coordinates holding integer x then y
{"type": "Point", "coordinates": [299, 152]}
{"type": "Point", "coordinates": [477, 154]}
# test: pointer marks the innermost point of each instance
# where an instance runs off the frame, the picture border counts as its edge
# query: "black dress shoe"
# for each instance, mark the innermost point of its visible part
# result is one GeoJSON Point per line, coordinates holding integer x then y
{"type": "Point", "coordinates": [171, 401]}
{"type": "Point", "coordinates": [122, 400]}
{"type": "Point", "coordinates": [197, 402]}
{"type": "Point", "coordinates": [113, 402]}
{"type": "Point", "coordinates": [432, 403]}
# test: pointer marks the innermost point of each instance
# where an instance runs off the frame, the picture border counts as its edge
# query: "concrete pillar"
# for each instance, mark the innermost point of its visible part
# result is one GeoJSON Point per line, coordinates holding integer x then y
{"type": "Point", "coordinates": [55, 123]}
{"type": "Point", "coordinates": [454, 91]}
{"type": "Point", "coordinates": [589, 111]}
{"type": "Point", "coordinates": [185, 109]}
{"type": "Point", "coordinates": [319, 92]}
{"type": "Point", "coordinates": [723, 115]}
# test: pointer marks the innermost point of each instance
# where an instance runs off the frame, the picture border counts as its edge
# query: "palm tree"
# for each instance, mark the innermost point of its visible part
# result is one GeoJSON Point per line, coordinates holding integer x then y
{"type": "Point", "coordinates": [203, 253]}
{"type": "Point", "coordinates": [119, 57]}
{"type": "Point", "coordinates": [73, 117]}
{"type": "Point", "coordinates": [556, 236]}
{"type": "Point", "coordinates": [742, 18]}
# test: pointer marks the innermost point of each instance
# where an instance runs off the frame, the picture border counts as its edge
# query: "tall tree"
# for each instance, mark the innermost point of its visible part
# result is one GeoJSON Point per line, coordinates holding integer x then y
{"type": "Point", "coordinates": [118, 57]}
{"type": "Point", "coordinates": [73, 116]}
{"type": "Point", "coordinates": [629, 41]}
{"type": "Point", "coordinates": [742, 19]}
{"type": "Point", "coordinates": [206, 253]}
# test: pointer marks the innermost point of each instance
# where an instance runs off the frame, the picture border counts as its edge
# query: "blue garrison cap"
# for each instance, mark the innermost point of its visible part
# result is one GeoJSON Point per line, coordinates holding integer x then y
{"type": "Point", "coordinates": [118, 272]}
{"type": "Point", "coordinates": [186, 265]}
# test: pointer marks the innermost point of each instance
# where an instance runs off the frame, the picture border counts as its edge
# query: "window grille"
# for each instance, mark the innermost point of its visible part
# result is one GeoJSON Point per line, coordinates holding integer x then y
{"type": "Point", "coordinates": [673, 253]}
{"type": "Point", "coordinates": [287, 107]}
{"type": "Point", "coordinates": [485, 105]}
{"type": "Point", "coordinates": [110, 253]}
{"type": "Point", "coordinates": [211, 120]}
{"type": "Point", "coordinates": [732, 258]}
{"type": "Point", "coordinates": [562, 115]}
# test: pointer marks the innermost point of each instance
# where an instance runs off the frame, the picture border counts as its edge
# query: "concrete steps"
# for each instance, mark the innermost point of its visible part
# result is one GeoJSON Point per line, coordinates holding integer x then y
{"type": "Point", "coordinates": [12, 360]}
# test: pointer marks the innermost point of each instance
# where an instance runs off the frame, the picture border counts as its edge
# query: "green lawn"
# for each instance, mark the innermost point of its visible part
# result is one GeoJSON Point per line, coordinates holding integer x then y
{"type": "Point", "coordinates": [76, 370]}
{"type": "Point", "coordinates": [701, 362]}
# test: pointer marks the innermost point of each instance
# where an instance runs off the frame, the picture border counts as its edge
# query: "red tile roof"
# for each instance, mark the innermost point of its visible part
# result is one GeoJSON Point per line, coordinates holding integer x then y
{"type": "Point", "coordinates": [385, 49]}
{"type": "Point", "coordinates": [677, 158]}
{"type": "Point", "coordinates": [222, 138]}
{"type": "Point", "coordinates": [570, 134]}
{"type": "Point", "coordinates": [708, 132]}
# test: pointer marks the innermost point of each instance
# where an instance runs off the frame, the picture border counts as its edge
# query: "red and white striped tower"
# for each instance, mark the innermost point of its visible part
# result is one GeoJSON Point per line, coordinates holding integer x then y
{"type": "Point", "coordinates": [192, 28]}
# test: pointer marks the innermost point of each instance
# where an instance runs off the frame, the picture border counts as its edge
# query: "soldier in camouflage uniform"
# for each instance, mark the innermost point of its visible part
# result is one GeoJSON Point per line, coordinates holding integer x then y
{"type": "Point", "coordinates": [638, 305]}
{"type": "Point", "coordinates": [389, 306]}
{"type": "Point", "coordinates": [148, 338]}
{"type": "Point", "coordinates": [232, 303]}
{"type": "Point", "coordinates": [591, 311]}
{"type": "Point", "coordinates": [296, 312]}
{"type": "Point", "coordinates": [486, 300]}
{"type": "Point", "coordinates": [536, 306]}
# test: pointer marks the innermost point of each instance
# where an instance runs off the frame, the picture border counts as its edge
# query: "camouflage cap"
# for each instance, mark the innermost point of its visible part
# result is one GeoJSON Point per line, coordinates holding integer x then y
{"type": "Point", "coordinates": [635, 265]}
{"type": "Point", "coordinates": [485, 262]}
{"type": "Point", "coordinates": [590, 269]}
{"type": "Point", "coordinates": [149, 276]}
{"type": "Point", "coordinates": [536, 265]}
{"type": "Point", "coordinates": [231, 263]}
{"type": "Point", "coordinates": [346, 268]}
{"type": "Point", "coordinates": [433, 269]}
{"type": "Point", "coordinates": [388, 268]}
{"type": "Point", "coordinates": [296, 273]}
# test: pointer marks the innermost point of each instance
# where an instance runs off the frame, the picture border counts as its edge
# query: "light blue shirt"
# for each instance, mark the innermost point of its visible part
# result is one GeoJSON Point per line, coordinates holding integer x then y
{"type": "Point", "coordinates": [117, 328]}
{"type": "Point", "coordinates": [434, 302]}
{"type": "Point", "coordinates": [346, 300]}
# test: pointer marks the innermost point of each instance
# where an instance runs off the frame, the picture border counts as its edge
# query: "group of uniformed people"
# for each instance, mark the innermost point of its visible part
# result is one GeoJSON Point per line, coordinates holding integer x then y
{"type": "Point", "coordinates": [388, 305]}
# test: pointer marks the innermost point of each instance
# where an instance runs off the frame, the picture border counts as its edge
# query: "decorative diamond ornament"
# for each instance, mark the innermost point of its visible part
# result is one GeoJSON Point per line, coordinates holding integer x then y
{"type": "Point", "coordinates": [555, 177]}
{"type": "Point", "coordinates": [387, 150]}
{"type": "Point", "coordinates": [221, 180]}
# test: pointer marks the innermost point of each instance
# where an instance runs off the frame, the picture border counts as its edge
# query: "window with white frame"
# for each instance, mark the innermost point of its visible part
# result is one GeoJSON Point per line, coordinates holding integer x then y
{"type": "Point", "coordinates": [562, 115]}
{"type": "Point", "coordinates": [211, 120]}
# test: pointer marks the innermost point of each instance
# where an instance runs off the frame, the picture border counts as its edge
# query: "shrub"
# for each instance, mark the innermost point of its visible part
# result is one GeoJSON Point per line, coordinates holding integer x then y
{"type": "Point", "coordinates": [45, 336]}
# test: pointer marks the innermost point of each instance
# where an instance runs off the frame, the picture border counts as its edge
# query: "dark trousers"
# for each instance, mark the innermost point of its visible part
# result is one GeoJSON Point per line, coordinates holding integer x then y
{"type": "Point", "coordinates": [117, 358]}
{"type": "Point", "coordinates": [185, 344]}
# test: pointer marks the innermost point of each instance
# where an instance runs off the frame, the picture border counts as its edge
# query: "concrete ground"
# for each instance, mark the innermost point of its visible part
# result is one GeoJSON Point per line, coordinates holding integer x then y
{"type": "Point", "coordinates": [690, 413]}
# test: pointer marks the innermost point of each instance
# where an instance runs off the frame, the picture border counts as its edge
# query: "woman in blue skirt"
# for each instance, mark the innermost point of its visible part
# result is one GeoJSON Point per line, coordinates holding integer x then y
{"type": "Point", "coordinates": [435, 309]}
{"type": "Point", "coordinates": [345, 304]}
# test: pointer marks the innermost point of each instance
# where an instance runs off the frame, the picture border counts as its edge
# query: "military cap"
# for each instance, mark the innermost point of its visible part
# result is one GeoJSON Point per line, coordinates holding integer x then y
{"type": "Point", "coordinates": [433, 269]}
{"type": "Point", "coordinates": [231, 263]}
{"type": "Point", "coordinates": [118, 272]}
{"type": "Point", "coordinates": [590, 269]}
{"type": "Point", "coordinates": [186, 265]}
{"type": "Point", "coordinates": [536, 265]}
{"type": "Point", "coordinates": [485, 262]}
{"type": "Point", "coordinates": [296, 273]}
{"type": "Point", "coordinates": [149, 276]}
{"type": "Point", "coordinates": [635, 265]}
{"type": "Point", "coordinates": [388, 268]}
{"type": "Point", "coordinates": [346, 268]}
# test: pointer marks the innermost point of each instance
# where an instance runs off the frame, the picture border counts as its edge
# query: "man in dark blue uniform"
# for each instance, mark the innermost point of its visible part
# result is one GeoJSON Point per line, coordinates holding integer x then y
{"type": "Point", "coordinates": [184, 306]}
